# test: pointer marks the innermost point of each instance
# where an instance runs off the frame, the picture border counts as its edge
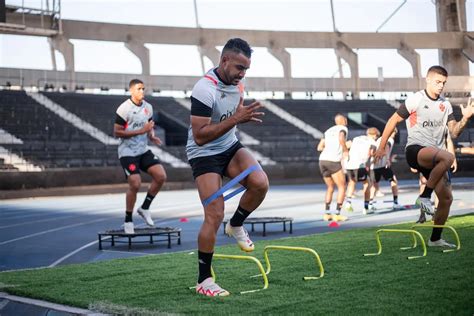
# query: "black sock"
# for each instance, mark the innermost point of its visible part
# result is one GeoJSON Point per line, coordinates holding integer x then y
{"type": "Point", "coordinates": [128, 217]}
{"type": "Point", "coordinates": [328, 206]}
{"type": "Point", "coordinates": [436, 234]}
{"type": "Point", "coordinates": [338, 206]}
{"type": "Point", "coordinates": [366, 205]}
{"type": "Point", "coordinates": [146, 204]}
{"type": "Point", "coordinates": [204, 260]}
{"type": "Point", "coordinates": [395, 199]}
{"type": "Point", "coordinates": [426, 193]}
{"type": "Point", "coordinates": [239, 217]}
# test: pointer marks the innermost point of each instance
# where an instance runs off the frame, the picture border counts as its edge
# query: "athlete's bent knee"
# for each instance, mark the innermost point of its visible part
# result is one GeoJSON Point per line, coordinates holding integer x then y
{"type": "Point", "coordinates": [259, 183]}
{"type": "Point", "coordinates": [160, 178]}
{"type": "Point", "coordinates": [214, 218]}
{"type": "Point", "coordinates": [135, 184]}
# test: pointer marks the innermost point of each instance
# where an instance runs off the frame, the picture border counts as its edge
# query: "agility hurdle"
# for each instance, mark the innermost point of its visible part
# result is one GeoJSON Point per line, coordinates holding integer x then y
{"type": "Point", "coordinates": [455, 233]}
{"type": "Point", "coordinates": [289, 248]}
{"type": "Point", "coordinates": [414, 233]}
{"type": "Point", "coordinates": [248, 258]}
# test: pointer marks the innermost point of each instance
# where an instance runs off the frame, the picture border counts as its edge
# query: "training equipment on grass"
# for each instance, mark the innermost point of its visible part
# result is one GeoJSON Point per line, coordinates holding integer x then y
{"type": "Point", "coordinates": [455, 233]}
{"type": "Point", "coordinates": [170, 233]}
{"type": "Point", "coordinates": [414, 233]}
{"type": "Point", "coordinates": [264, 221]}
{"type": "Point", "coordinates": [289, 248]}
{"type": "Point", "coordinates": [333, 224]}
{"type": "Point", "coordinates": [248, 258]}
{"type": "Point", "coordinates": [229, 185]}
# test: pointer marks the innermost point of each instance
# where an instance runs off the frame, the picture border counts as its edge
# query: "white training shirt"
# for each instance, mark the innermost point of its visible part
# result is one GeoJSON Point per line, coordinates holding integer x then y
{"type": "Point", "coordinates": [332, 148]}
{"type": "Point", "coordinates": [221, 101]}
{"type": "Point", "coordinates": [359, 154]}
{"type": "Point", "coordinates": [426, 119]}
{"type": "Point", "coordinates": [383, 162]}
{"type": "Point", "coordinates": [135, 117]}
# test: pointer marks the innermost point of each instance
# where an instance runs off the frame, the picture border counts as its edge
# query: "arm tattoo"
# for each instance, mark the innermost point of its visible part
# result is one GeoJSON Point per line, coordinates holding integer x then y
{"type": "Point", "coordinates": [459, 127]}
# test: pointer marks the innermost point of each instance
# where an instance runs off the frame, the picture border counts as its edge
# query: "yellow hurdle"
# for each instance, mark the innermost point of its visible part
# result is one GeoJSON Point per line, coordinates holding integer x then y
{"type": "Point", "coordinates": [399, 231]}
{"type": "Point", "coordinates": [249, 258]}
{"type": "Point", "coordinates": [455, 233]}
{"type": "Point", "coordinates": [288, 248]}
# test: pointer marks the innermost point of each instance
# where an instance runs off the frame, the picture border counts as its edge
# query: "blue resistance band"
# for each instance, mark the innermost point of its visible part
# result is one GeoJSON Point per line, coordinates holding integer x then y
{"type": "Point", "coordinates": [229, 185]}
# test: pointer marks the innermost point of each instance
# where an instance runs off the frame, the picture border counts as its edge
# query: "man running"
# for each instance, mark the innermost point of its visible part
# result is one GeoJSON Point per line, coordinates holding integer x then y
{"type": "Point", "coordinates": [358, 166]}
{"type": "Point", "coordinates": [382, 168]}
{"type": "Point", "coordinates": [428, 113]}
{"type": "Point", "coordinates": [214, 151]}
{"type": "Point", "coordinates": [333, 148]}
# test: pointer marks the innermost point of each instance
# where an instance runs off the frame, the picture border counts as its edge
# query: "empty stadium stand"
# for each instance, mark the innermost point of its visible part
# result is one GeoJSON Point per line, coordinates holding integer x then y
{"type": "Point", "coordinates": [99, 110]}
{"type": "Point", "coordinates": [51, 142]}
{"type": "Point", "coordinates": [48, 140]}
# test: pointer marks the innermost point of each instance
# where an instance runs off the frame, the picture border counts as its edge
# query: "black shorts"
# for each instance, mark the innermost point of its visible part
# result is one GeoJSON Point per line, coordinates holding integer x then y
{"type": "Point", "coordinates": [385, 172]}
{"type": "Point", "coordinates": [357, 175]}
{"type": "Point", "coordinates": [215, 163]}
{"type": "Point", "coordinates": [132, 165]}
{"type": "Point", "coordinates": [411, 154]}
{"type": "Point", "coordinates": [328, 168]}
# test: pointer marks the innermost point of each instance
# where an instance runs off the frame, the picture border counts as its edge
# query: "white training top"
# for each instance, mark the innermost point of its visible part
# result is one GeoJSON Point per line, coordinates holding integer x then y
{"type": "Point", "coordinates": [359, 154]}
{"type": "Point", "coordinates": [427, 119]}
{"type": "Point", "coordinates": [383, 162]}
{"type": "Point", "coordinates": [332, 148]}
{"type": "Point", "coordinates": [222, 101]}
{"type": "Point", "coordinates": [135, 117]}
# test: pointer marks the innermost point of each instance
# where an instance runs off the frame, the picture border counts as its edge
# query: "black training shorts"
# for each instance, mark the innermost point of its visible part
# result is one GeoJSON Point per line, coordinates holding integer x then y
{"type": "Point", "coordinates": [214, 164]}
{"type": "Point", "coordinates": [133, 164]}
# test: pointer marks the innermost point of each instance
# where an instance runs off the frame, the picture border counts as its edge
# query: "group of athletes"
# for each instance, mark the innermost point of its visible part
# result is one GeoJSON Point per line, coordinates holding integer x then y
{"type": "Point", "coordinates": [354, 160]}
{"type": "Point", "coordinates": [214, 151]}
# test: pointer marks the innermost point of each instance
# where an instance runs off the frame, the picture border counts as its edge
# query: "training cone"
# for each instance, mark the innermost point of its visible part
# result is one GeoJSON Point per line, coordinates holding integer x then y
{"type": "Point", "coordinates": [333, 224]}
{"type": "Point", "coordinates": [184, 220]}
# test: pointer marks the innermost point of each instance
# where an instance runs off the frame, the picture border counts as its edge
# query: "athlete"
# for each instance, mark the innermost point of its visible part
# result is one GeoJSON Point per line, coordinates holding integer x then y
{"type": "Point", "coordinates": [428, 113]}
{"type": "Point", "coordinates": [333, 148]}
{"type": "Point", "coordinates": [214, 151]}
{"type": "Point", "coordinates": [134, 127]}
{"type": "Point", "coordinates": [382, 168]}
{"type": "Point", "coordinates": [358, 166]}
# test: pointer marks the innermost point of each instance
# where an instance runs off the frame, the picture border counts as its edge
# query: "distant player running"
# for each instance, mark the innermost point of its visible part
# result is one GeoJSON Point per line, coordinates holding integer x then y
{"type": "Point", "coordinates": [214, 151]}
{"type": "Point", "coordinates": [383, 168]}
{"type": "Point", "coordinates": [428, 114]}
{"type": "Point", "coordinates": [358, 167]}
{"type": "Point", "coordinates": [333, 148]}
{"type": "Point", "coordinates": [134, 126]}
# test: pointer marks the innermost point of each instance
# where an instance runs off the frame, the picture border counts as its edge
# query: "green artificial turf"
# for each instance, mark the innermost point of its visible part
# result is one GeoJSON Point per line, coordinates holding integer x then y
{"type": "Point", "coordinates": [439, 284]}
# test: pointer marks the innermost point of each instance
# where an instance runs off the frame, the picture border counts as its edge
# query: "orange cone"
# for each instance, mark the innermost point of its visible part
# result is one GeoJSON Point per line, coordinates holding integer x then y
{"type": "Point", "coordinates": [333, 224]}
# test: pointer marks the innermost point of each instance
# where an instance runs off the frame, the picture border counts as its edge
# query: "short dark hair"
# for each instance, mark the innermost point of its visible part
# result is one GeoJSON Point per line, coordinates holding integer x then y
{"type": "Point", "coordinates": [239, 46]}
{"type": "Point", "coordinates": [134, 82]}
{"type": "Point", "coordinates": [438, 70]}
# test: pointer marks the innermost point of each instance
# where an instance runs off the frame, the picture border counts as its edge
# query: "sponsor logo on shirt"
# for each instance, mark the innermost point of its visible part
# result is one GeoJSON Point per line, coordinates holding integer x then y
{"type": "Point", "coordinates": [430, 123]}
{"type": "Point", "coordinates": [226, 115]}
{"type": "Point", "coordinates": [137, 125]}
